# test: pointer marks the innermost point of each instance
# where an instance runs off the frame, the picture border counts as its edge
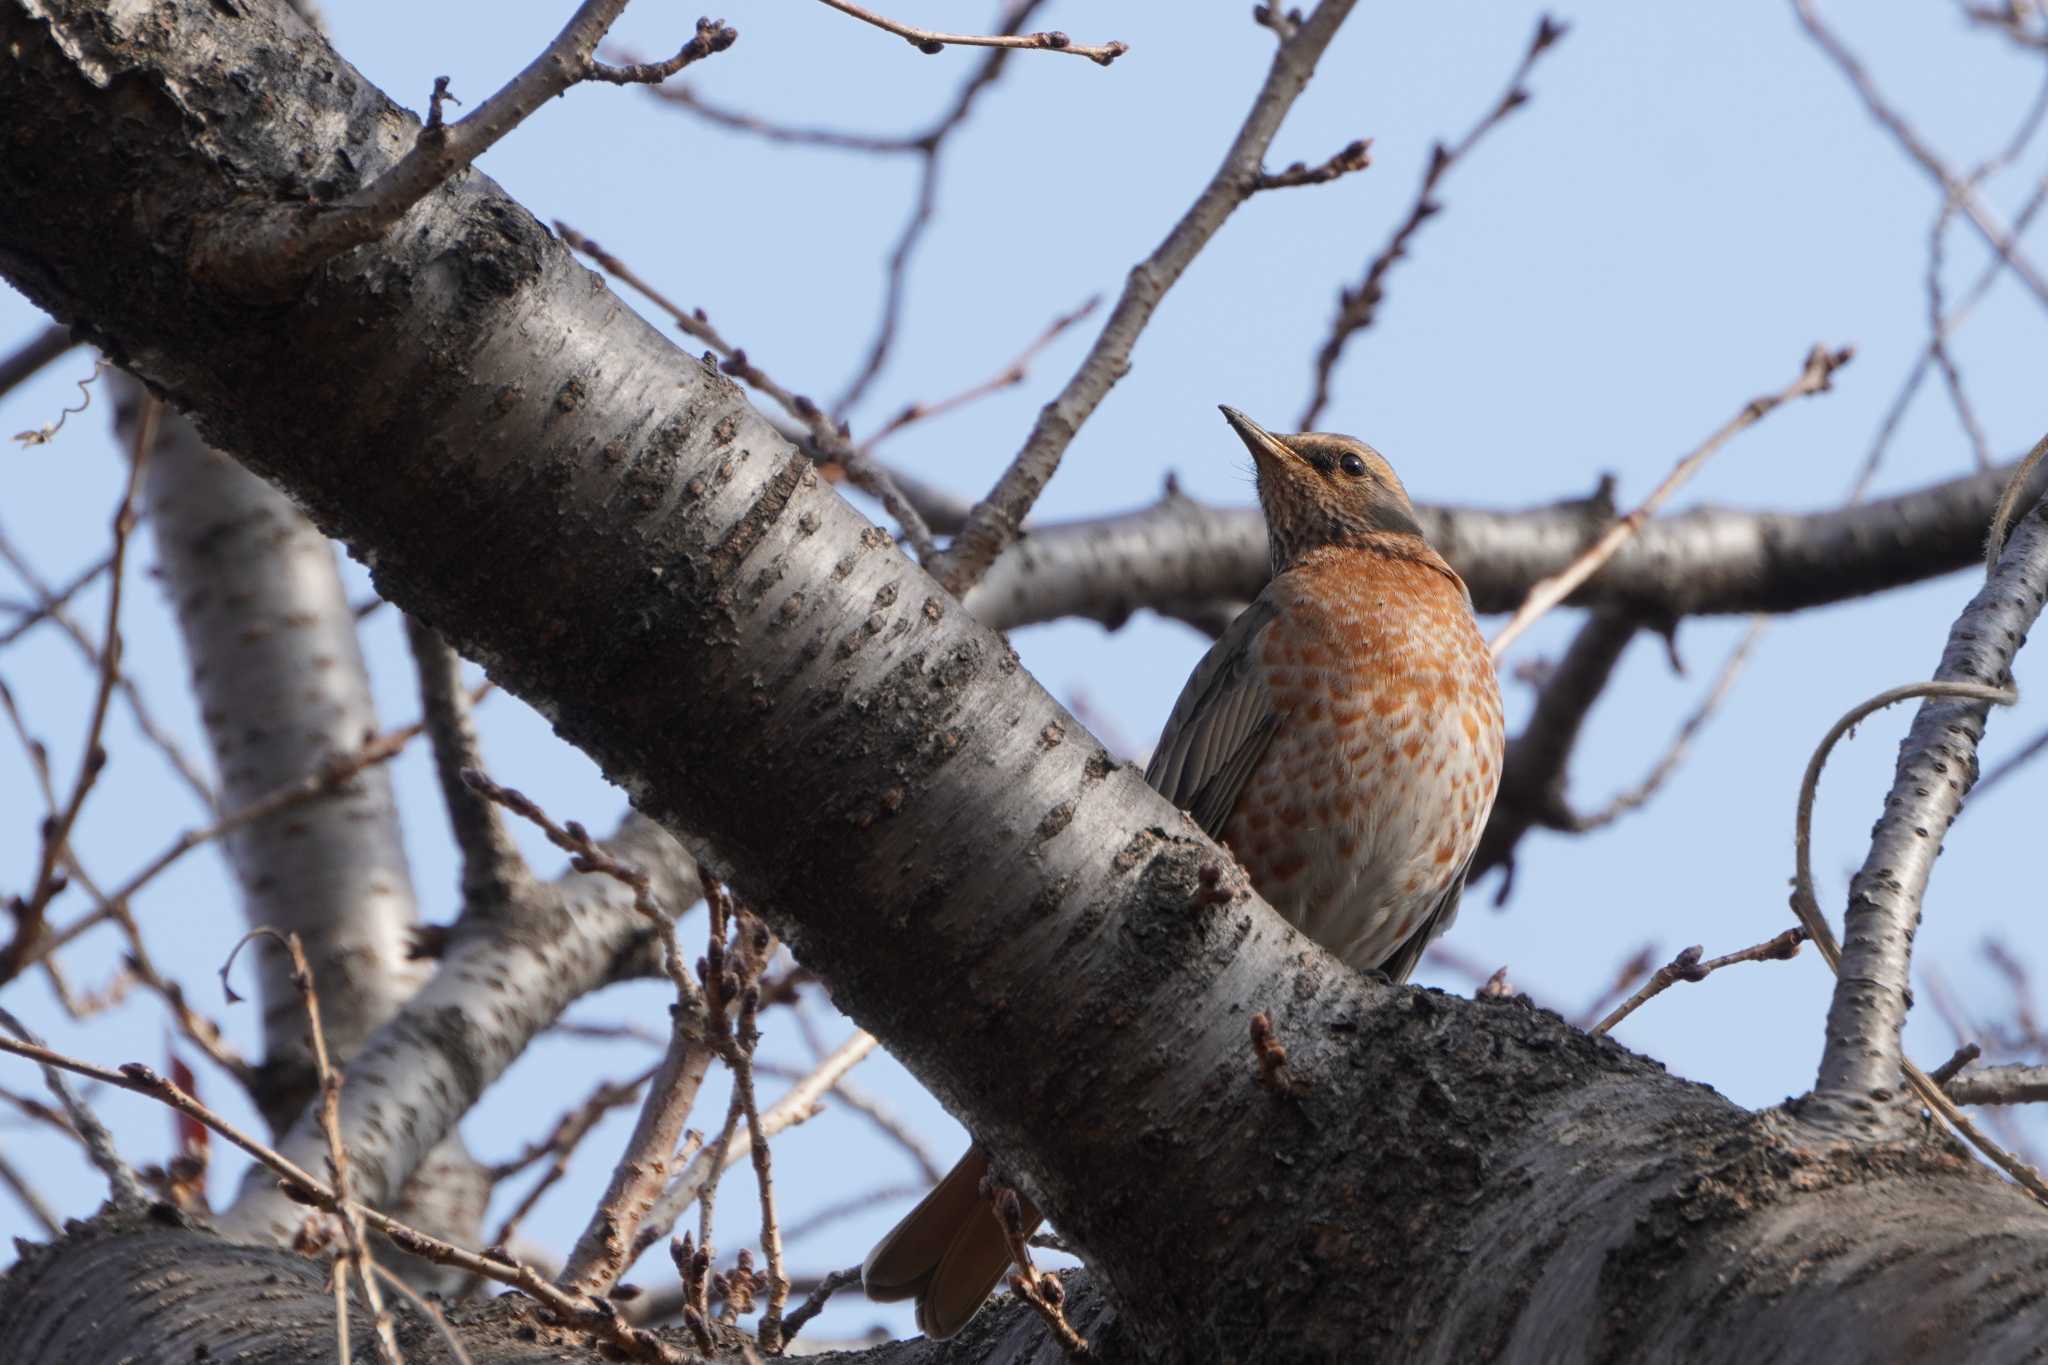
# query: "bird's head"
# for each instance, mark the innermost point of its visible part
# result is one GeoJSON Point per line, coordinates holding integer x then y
{"type": "Point", "coordinates": [1319, 489]}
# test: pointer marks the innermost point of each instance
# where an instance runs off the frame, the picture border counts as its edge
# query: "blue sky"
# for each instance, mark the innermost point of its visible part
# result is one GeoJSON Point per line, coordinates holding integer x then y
{"type": "Point", "coordinates": [1691, 200]}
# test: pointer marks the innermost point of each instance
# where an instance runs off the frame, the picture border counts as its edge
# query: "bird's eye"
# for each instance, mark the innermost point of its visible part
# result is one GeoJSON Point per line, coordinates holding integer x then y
{"type": "Point", "coordinates": [1353, 466]}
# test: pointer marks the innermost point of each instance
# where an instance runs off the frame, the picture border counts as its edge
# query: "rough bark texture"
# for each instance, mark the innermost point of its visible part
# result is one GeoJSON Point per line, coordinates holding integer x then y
{"type": "Point", "coordinates": [1859, 1069]}
{"type": "Point", "coordinates": [281, 685]}
{"type": "Point", "coordinates": [622, 541]}
{"type": "Point", "coordinates": [1708, 560]}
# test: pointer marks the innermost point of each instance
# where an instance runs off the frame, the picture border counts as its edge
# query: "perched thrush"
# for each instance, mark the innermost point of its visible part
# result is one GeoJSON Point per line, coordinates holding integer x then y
{"type": "Point", "coordinates": [1343, 737]}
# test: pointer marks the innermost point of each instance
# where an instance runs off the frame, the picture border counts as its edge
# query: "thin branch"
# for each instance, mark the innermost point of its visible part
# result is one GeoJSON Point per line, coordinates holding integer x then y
{"type": "Point", "coordinates": [600, 1322]}
{"type": "Point", "coordinates": [1960, 1058]}
{"type": "Point", "coordinates": [357, 1256]}
{"type": "Point", "coordinates": [996, 519]}
{"type": "Point", "coordinates": [1805, 903]}
{"type": "Point", "coordinates": [272, 249]}
{"type": "Point", "coordinates": [42, 1212]}
{"type": "Point", "coordinates": [600, 1255]}
{"type": "Point", "coordinates": [1008, 377]}
{"type": "Point", "coordinates": [2015, 490]}
{"type": "Point", "coordinates": [126, 1190]}
{"type": "Point", "coordinates": [1637, 796]}
{"type": "Point", "coordinates": [47, 605]}
{"type": "Point", "coordinates": [32, 355]}
{"type": "Point", "coordinates": [684, 97]}
{"type": "Point", "coordinates": [866, 475]}
{"type": "Point", "coordinates": [798, 1103]}
{"type": "Point", "coordinates": [2000, 1085]}
{"type": "Point", "coordinates": [1816, 377]}
{"type": "Point", "coordinates": [1688, 967]}
{"type": "Point", "coordinates": [931, 42]}
{"type": "Point", "coordinates": [1357, 308]}
{"type": "Point", "coordinates": [328, 777]}
{"type": "Point", "coordinates": [50, 607]}
{"type": "Point", "coordinates": [2026, 753]}
{"type": "Point", "coordinates": [1355, 156]}
{"type": "Point", "coordinates": [29, 911]}
{"type": "Point", "coordinates": [494, 876]}
{"type": "Point", "coordinates": [815, 1304]}
{"type": "Point", "coordinates": [431, 1311]}
{"type": "Point", "coordinates": [884, 1120]}
{"type": "Point", "coordinates": [1988, 227]}
{"type": "Point", "coordinates": [930, 146]}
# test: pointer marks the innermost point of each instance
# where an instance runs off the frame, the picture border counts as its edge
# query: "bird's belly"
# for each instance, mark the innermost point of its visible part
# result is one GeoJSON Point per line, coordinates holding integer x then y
{"type": "Point", "coordinates": [1356, 821]}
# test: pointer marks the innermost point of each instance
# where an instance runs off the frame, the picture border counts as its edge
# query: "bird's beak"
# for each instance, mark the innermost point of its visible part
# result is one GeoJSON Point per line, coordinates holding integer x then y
{"type": "Point", "coordinates": [1266, 448]}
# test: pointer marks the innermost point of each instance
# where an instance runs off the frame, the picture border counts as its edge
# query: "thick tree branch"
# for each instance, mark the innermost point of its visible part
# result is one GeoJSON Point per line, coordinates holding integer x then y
{"type": "Point", "coordinates": [1710, 560]}
{"type": "Point", "coordinates": [694, 603]}
{"type": "Point", "coordinates": [1937, 767]}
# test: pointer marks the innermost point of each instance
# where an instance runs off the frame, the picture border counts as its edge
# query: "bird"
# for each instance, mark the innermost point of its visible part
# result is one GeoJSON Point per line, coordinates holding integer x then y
{"type": "Point", "coordinates": [1343, 738]}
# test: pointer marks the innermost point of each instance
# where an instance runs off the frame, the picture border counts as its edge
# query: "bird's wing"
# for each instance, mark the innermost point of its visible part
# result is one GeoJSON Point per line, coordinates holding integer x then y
{"type": "Point", "coordinates": [1401, 962]}
{"type": "Point", "coordinates": [1220, 726]}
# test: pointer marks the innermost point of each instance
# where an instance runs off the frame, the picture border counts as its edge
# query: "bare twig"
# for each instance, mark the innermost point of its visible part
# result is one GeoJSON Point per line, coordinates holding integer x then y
{"type": "Point", "coordinates": [930, 146]}
{"type": "Point", "coordinates": [44, 434]}
{"type": "Point", "coordinates": [357, 1256]}
{"type": "Point", "coordinates": [1355, 156]}
{"type": "Point", "coordinates": [494, 876]}
{"type": "Point", "coordinates": [1805, 903]}
{"type": "Point", "coordinates": [2016, 489]}
{"type": "Point", "coordinates": [866, 475]}
{"type": "Point", "coordinates": [431, 1311]}
{"type": "Point", "coordinates": [812, 1306]}
{"type": "Point", "coordinates": [1357, 308]}
{"type": "Point", "coordinates": [1674, 754]}
{"type": "Point", "coordinates": [2009, 766]}
{"type": "Point", "coordinates": [50, 607]}
{"type": "Point", "coordinates": [995, 520]}
{"type": "Point", "coordinates": [48, 604]}
{"type": "Point", "coordinates": [29, 911]}
{"type": "Point", "coordinates": [126, 1190]}
{"type": "Point", "coordinates": [43, 1214]}
{"type": "Point", "coordinates": [1043, 1291]}
{"type": "Point", "coordinates": [32, 355]}
{"type": "Point", "coordinates": [328, 777]}
{"type": "Point", "coordinates": [738, 122]}
{"type": "Point", "coordinates": [885, 1121]}
{"type": "Point", "coordinates": [796, 1105]}
{"type": "Point", "coordinates": [1995, 235]}
{"type": "Point", "coordinates": [1960, 1058]}
{"type": "Point", "coordinates": [271, 249]}
{"type": "Point", "coordinates": [1010, 376]}
{"type": "Point", "coordinates": [1629, 971]}
{"type": "Point", "coordinates": [1815, 377]}
{"type": "Point", "coordinates": [600, 1255]}
{"type": "Point", "coordinates": [1999, 1085]}
{"type": "Point", "coordinates": [930, 42]}
{"type": "Point", "coordinates": [600, 1322]}
{"type": "Point", "coordinates": [1688, 967]}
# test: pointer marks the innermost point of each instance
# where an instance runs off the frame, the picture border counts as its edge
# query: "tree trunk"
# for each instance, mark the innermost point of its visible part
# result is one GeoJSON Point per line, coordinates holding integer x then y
{"type": "Point", "coordinates": [607, 525]}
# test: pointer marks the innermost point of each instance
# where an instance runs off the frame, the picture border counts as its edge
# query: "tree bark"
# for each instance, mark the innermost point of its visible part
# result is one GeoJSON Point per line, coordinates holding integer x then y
{"type": "Point", "coordinates": [621, 540]}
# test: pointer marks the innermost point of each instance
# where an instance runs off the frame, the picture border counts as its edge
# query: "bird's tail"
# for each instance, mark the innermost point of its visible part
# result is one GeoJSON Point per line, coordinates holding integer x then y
{"type": "Point", "coordinates": [948, 1253]}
